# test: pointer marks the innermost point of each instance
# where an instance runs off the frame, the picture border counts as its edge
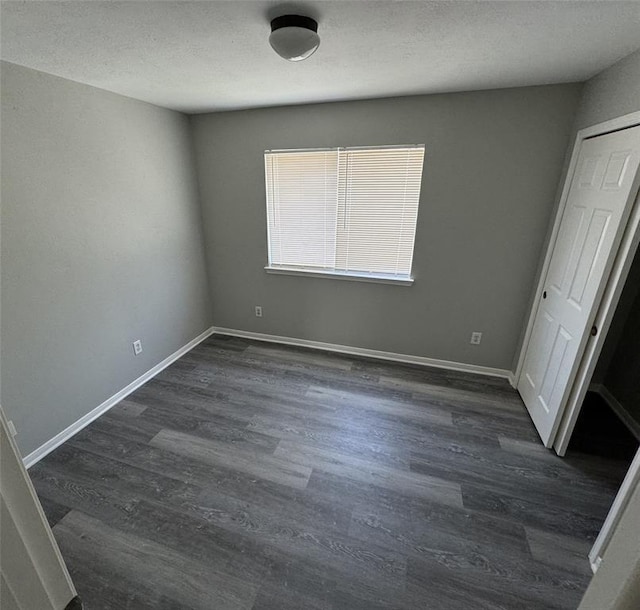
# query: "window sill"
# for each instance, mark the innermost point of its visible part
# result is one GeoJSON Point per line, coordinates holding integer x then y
{"type": "Point", "coordinates": [353, 277]}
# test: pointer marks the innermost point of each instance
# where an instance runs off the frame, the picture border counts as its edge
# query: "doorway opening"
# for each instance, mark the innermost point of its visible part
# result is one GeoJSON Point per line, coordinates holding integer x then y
{"type": "Point", "coordinates": [608, 424]}
{"type": "Point", "coordinates": [609, 420]}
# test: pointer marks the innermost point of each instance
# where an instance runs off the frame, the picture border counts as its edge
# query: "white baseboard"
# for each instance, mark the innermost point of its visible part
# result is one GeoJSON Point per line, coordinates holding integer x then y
{"type": "Point", "coordinates": [36, 455]}
{"type": "Point", "coordinates": [369, 353]}
{"type": "Point", "coordinates": [512, 379]}
{"type": "Point", "coordinates": [617, 408]}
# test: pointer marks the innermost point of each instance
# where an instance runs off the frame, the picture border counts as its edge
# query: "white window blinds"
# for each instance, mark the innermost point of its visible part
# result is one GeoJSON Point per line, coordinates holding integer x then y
{"type": "Point", "coordinates": [344, 211]}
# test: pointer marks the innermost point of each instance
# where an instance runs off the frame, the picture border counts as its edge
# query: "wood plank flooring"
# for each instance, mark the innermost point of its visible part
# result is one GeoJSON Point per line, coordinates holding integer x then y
{"type": "Point", "coordinates": [256, 476]}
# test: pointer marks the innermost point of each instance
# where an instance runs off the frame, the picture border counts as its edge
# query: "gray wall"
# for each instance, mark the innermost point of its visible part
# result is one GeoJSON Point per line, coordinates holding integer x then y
{"type": "Point", "coordinates": [612, 93]}
{"type": "Point", "coordinates": [492, 164]}
{"type": "Point", "coordinates": [101, 245]}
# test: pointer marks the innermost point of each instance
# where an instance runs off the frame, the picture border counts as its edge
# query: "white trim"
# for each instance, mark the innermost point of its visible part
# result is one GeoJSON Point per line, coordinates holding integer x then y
{"type": "Point", "coordinates": [631, 481]}
{"type": "Point", "coordinates": [369, 353]}
{"type": "Point", "coordinates": [595, 564]}
{"type": "Point", "coordinates": [36, 455]}
{"type": "Point", "coordinates": [512, 379]}
{"type": "Point", "coordinates": [378, 147]}
{"type": "Point", "coordinates": [616, 406]}
{"type": "Point", "coordinates": [623, 122]}
{"type": "Point", "coordinates": [38, 506]}
{"type": "Point", "coordinates": [342, 275]}
{"type": "Point", "coordinates": [46, 448]}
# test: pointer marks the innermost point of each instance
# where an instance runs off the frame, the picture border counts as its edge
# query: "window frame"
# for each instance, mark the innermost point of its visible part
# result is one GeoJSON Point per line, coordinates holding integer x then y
{"type": "Point", "coordinates": [357, 276]}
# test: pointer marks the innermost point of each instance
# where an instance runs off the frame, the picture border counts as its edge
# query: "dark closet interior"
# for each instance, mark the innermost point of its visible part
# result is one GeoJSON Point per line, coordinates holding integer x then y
{"type": "Point", "coordinates": [609, 422]}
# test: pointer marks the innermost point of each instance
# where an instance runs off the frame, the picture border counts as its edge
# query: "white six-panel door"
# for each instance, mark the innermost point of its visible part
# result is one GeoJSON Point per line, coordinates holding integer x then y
{"type": "Point", "coordinates": [597, 208]}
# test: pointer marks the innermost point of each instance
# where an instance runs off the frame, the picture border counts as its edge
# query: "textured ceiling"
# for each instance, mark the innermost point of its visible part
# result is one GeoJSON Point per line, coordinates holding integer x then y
{"type": "Point", "coordinates": [203, 56]}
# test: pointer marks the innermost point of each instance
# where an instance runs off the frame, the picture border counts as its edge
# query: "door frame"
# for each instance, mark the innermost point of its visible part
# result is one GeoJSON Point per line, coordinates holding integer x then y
{"type": "Point", "coordinates": [39, 565]}
{"type": "Point", "coordinates": [620, 502]}
{"type": "Point", "coordinates": [608, 294]}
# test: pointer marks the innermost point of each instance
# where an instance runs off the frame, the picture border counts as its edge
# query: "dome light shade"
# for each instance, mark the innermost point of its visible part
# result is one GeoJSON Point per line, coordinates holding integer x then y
{"type": "Point", "coordinates": [294, 37]}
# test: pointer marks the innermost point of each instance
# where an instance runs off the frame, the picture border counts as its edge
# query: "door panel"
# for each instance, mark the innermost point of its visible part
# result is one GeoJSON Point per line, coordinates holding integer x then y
{"type": "Point", "coordinates": [616, 169]}
{"type": "Point", "coordinates": [556, 361]}
{"type": "Point", "coordinates": [587, 263]}
{"type": "Point", "coordinates": [598, 205]}
{"type": "Point", "coordinates": [541, 341]}
{"type": "Point", "coordinates": [567, 245]}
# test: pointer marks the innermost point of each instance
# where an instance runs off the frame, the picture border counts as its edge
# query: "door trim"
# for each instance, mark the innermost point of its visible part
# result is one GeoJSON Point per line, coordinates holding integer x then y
{"type": "Point", "coordinates": [579, 380]}
{"type": "Point", "coordinates": [44, 568]}
{"type": "Point", "coordinates": [630, 482]}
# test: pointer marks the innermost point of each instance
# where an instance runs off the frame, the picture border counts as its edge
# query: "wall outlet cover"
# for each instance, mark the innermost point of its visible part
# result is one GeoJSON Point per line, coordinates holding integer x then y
{"type": "Point", "coordinates": [137, 347]}
{"type": "Point", "coordinates": [476, 337]}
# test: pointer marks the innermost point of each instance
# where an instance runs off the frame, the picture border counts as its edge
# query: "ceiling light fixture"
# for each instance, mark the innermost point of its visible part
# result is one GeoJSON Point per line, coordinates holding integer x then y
{"type": "Point", "coordinates": [294, 37]}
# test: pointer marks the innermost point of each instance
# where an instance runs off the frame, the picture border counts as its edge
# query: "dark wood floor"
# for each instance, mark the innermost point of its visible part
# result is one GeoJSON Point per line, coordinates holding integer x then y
{"type": "Point", "coordinates": [250, 475]}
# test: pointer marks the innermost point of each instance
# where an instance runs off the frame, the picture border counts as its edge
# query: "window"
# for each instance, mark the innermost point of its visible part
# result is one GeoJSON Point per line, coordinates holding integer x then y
{"type": "Point", "coordinates": [347, 212]}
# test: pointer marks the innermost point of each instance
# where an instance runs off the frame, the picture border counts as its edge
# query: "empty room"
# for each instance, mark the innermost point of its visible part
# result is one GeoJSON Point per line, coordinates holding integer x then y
{"type": "Point", "coordinates": [326, 305]}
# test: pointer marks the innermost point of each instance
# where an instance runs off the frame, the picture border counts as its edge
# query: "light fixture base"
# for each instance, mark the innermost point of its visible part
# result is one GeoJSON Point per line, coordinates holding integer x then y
{"type": "Point", "coordinates": [294, 37]}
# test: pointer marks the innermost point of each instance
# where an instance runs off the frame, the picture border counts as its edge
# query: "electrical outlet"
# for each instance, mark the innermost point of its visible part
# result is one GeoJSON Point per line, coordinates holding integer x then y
{"type": "Point", "coordinates": [12, 428]}
{"type": "Point", "coordinates": [258, 311]}
{"type": "Point", "coordinates": [137, 347]}
{"type": "Point", "coordinates": [476, 338]}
